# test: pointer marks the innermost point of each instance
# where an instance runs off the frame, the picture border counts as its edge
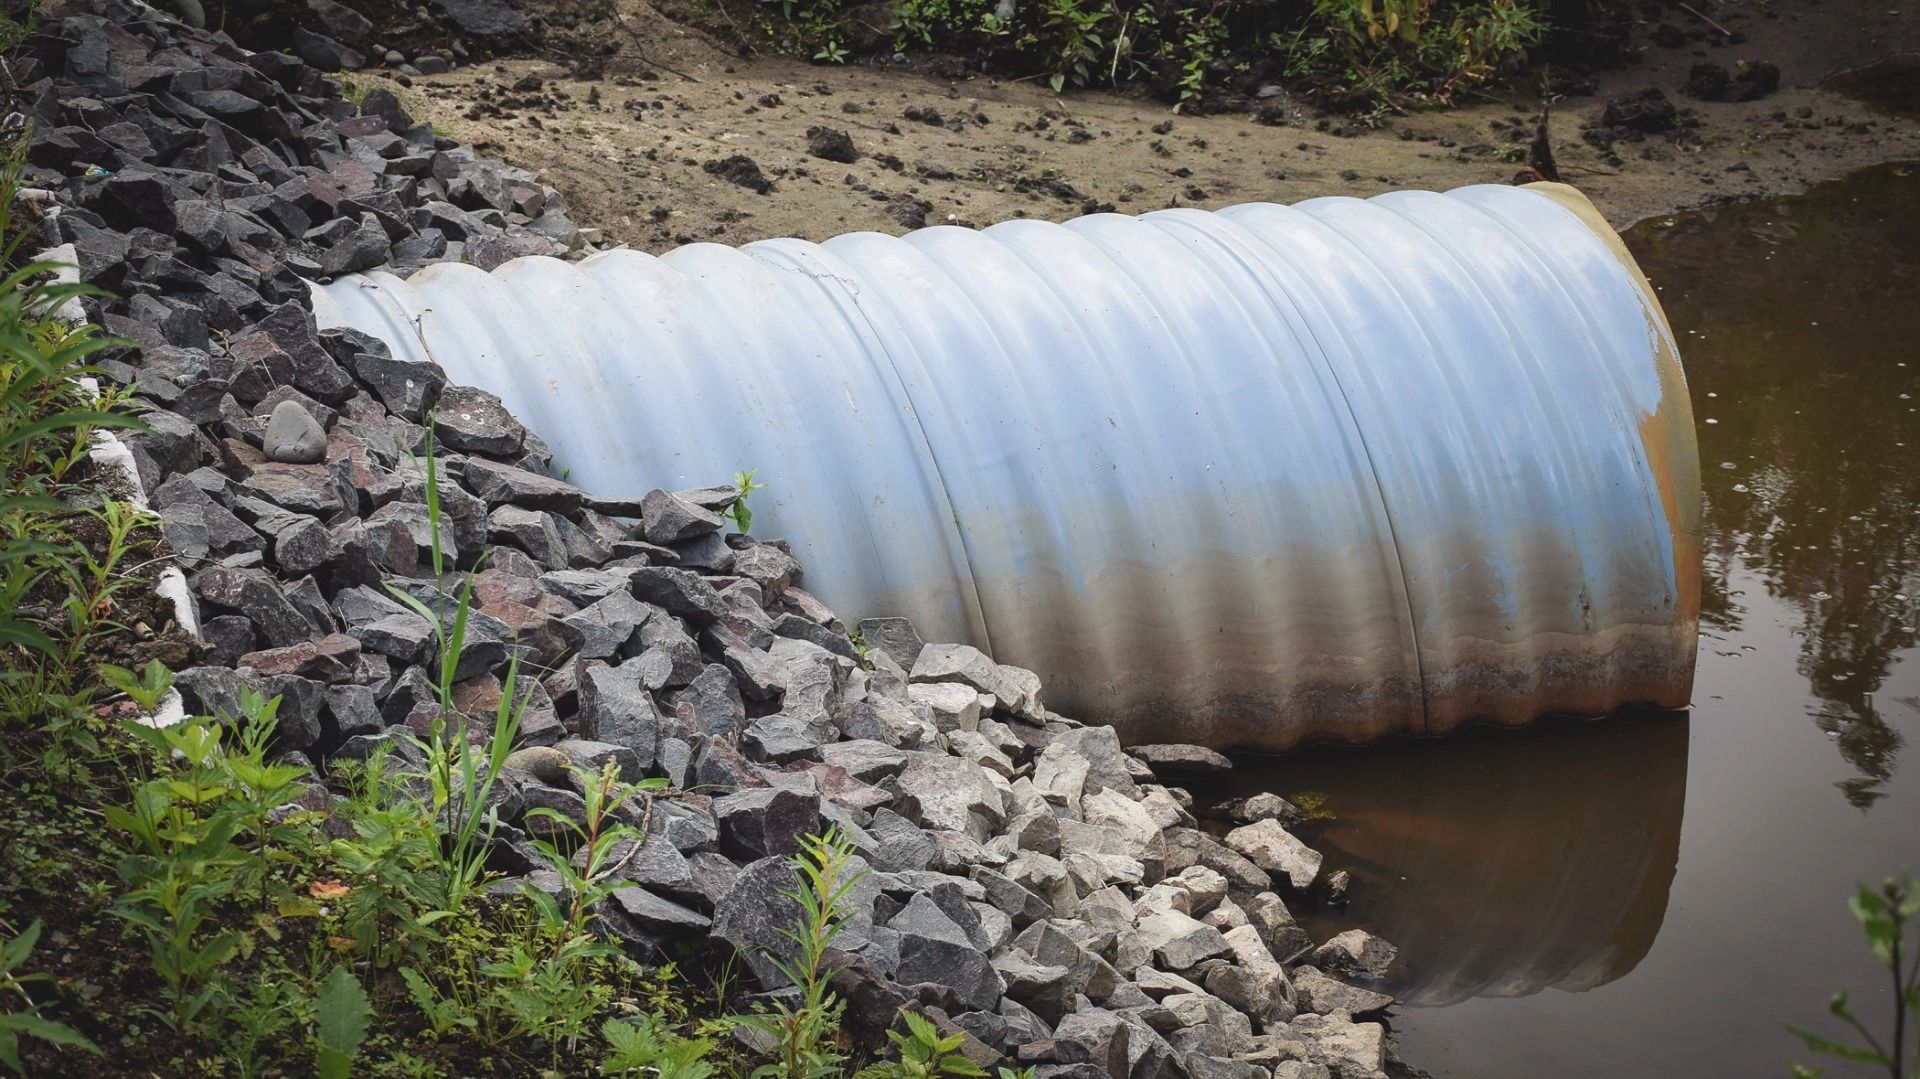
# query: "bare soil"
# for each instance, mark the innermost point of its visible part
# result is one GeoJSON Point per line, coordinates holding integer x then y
{"type": "Point", "coordinates": [670, 139]}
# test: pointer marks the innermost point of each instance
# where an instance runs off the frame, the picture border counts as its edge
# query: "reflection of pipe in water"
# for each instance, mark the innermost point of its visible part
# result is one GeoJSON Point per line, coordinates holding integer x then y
{"type": "Point", "coordinates": [1503, 864]}
{"type": "Point", "coordinates": [1330, 471]}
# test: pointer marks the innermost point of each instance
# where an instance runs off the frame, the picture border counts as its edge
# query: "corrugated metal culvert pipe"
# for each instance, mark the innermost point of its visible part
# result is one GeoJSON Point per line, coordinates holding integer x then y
{"type": "Point", "coordinates": [1246, 478]}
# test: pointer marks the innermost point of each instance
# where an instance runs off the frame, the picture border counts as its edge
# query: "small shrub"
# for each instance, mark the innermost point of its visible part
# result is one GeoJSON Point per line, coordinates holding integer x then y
{"type": "Point", "coordinates": [805, 1037]}
{"type": "Point", "coordinates": [21, 1015]}
{"type": "Point", "coordinates": [1383, 52]}
{"type": "Point", "coordinates": [1884, 915]}
{"type": "Point", "coordinates": [738, 513]}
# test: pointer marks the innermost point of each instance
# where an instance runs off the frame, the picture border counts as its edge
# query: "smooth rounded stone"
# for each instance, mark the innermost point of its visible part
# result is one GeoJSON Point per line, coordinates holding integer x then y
{"type": "Point", "coordinates": [1267, 806]}
{"type": "Point", "coordinates": [1355, 953]}
{"type": "Point", "coordinates": [1271, 847]}
{"type": "Point", "coordinates": [293, 436]}
{"type": "Point", "coordinates": [1180, 759]}
{"type": "Point", "coordinates": [1316, 992]}
{"type": "Point", "coordinates": [431, 65]}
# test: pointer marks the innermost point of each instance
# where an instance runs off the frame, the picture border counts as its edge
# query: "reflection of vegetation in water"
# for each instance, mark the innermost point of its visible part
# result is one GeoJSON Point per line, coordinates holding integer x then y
{"type": "Point", "coordinates": [1866, 742]}
{"type": "Point", "coordinates": [1795, 319]}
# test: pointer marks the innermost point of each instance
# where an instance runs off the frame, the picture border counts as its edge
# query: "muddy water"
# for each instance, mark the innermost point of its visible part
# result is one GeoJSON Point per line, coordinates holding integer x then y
{"type": "Point", "coordinates": [1655, 895]}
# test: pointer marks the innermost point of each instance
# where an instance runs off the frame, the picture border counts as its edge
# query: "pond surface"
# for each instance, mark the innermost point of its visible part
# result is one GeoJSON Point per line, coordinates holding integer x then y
{"type": "Point", "coordinates": [1657, 895]}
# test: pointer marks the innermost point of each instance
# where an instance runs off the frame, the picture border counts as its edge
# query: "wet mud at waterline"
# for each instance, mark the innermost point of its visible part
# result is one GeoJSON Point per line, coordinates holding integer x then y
{"type": "Point", "coordinates": [1660, 894]}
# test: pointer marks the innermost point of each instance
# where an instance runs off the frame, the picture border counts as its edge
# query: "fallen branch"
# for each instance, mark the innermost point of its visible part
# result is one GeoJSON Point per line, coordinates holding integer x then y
{"type": "Point", "coordinates": [1695, 12]}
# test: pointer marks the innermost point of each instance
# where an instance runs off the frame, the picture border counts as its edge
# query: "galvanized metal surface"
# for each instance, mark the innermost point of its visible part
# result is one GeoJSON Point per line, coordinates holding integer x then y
{"type": "Point", "coordinates": [1246, 478]}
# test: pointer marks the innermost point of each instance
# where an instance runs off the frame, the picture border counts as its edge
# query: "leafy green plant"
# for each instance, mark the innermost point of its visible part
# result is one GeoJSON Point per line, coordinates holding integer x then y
{"type": "Point", "coordinates": [549, 992]}
{"type": "Point", "coordinates": [1417, 48]}
{"type": "Point", "coordinates": [803, 1036]}
{"type": "Point", "coordinates": [47, 421]}
{"type": "Point", "coordinates": [1076, 43]}
{"type": "Point", "coordinates": [179, 864]}
{"type": "Point", "coordinates": [341, 1014]}
{"type": "Point", "coordinates": [462, 777]}
{"type": "Point", "coordinates": [1884, 915]}
{"type": "Point", "coordinates": [257, 788]}
{"type": "Point", "coordinates": [46, 426]}
{"type": "Point", "coordinates": [146, 689]}
{"type": "Point", "coordinates": [586, 870]}
{"type": "Point", "coordinates": [924, 1054]}
{"type": "Point", "coordinates": [13, 32]}
{"type": "Point", "coordinates": [738, 512]}
{"type": "Point", "coordinates": [444, 1014]}
{"type": "Point", "coordinates": [21, 1016]}
{"type": "Point", "coordinates": [390, 861]}
{"type": "Point", "coordinates": [645, 1047]}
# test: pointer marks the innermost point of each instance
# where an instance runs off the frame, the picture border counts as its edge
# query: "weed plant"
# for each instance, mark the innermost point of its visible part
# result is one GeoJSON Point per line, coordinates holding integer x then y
{"type": "Point", "coordinates": [1884, 914]}
{"type": "Point", "coordinates": [1385, 53]}
{"type": "Point", "coordinates": [219, 909]}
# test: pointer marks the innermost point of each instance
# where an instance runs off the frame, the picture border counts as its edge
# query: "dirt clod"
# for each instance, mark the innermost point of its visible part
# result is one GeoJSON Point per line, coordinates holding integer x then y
{"type": "Point", "coordinates": [831, 144]}
{"type": "Point", "coordinates": [742, 170]}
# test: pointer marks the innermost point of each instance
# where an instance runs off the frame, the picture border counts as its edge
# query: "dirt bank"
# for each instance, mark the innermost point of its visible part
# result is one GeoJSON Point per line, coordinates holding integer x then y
{"type": "Point", "coordinates": [654, 158]}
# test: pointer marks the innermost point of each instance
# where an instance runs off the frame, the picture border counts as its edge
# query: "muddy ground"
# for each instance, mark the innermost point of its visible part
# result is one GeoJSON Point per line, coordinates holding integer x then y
{"type": "Point", "coordinates": [649, 151]}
